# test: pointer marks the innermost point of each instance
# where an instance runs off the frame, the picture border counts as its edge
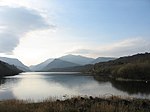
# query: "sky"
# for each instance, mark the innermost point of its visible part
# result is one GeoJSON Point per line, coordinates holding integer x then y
{"type": "Point", "coordinates": [35, 30]}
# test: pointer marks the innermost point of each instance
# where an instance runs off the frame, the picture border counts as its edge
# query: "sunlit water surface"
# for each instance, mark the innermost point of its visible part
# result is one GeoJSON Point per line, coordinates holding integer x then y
{"type": "Point", "coordinates": [39, 86]}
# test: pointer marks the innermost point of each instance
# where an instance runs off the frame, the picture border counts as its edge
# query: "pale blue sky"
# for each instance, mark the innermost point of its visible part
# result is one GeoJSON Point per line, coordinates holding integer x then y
{"type": "Point", "coordinates": [52, 28]}
{"type": "Point", "coordinates": [113, 19]}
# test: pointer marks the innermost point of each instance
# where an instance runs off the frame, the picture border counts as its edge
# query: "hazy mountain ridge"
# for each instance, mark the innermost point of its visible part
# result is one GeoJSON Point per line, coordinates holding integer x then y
{"type": "Point", "coordinates": [8, 70]}
{"type": "Point", "coordinates": [75, 60]}
{"type": "Point", "coordinates": [72, 59]}
{"type": "Point", "coordinates": [15, 62]}
{"type": "Point", "coordinates": [41, 66]}
{"type": "Point", "coordinates": [135, 67]}
{"type": "Point", "coordinates": [81, 60]}
{"type": "Point", "coordinates": [58, 63]}
{"type": "Point", "coordinates": [129, 67]}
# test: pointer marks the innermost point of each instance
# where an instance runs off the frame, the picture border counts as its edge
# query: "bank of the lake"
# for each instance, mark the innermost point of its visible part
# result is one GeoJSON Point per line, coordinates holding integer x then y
{"type": "Point", "coordinates": [79, 104]}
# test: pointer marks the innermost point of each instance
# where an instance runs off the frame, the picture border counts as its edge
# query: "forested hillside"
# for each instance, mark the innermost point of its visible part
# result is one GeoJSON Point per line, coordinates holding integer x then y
{"type": "Point", "coordinates": [130, 67]}
{"type": "Point", "coordinates": [8, 70]}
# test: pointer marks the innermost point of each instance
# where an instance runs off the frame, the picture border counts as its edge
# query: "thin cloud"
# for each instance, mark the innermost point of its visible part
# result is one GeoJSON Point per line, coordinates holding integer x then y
{"type": "Point", "coordinates": [124, 47]}
{"type": "Point", "coordinates": [80, 51]}
{"type": "Point", "coordinates": [15, 23]}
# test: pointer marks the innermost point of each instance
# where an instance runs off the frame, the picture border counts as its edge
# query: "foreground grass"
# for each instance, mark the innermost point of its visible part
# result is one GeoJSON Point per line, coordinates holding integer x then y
{"type": "Point", "coordinates": [78, 104]}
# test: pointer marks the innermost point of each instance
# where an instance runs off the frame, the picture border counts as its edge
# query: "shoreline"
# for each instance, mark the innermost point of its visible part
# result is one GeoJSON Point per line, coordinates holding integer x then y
{"type": "Point", "coordinates": [130, 80]}
{"type": "Point", "coordinates": [79, 104]}
{"type": "Point", "coordinates": [120, 79]}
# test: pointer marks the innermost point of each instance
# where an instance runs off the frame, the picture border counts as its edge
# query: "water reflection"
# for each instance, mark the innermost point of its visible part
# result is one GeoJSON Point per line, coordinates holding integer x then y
{"type": "Point", "coordinates": [132, 87]}
{"type": "Point", "coordinates": [6, 86]}
{"type": "Point", "coordinates": [39, 86]}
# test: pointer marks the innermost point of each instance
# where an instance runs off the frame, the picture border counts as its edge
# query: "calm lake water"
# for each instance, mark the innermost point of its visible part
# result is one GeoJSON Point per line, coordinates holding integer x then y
{"type": "Point", "coordinates": [39, 86]}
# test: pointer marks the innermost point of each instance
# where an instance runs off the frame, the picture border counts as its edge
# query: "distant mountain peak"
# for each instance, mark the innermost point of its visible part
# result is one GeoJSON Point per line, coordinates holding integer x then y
{"type": "Point", "coordinates": [42, 65]}
{"type": "Point", "coordinates": [69, 60]}
{"type": "Point", "coordinates": [78, 59]}
{"type": "Point", "coordinates": [58, 63]}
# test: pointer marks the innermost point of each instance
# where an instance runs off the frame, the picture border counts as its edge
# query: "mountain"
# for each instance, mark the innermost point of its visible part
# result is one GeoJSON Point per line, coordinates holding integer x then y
{"type": "Point", "coordinates": [83, 68]}
{"type": "Point", "coordinates": [16, 62]}
{"type": "Point", "coordinates": [129, 67]}
{"type": "Point", "coordinates": [41, 66]}
{"type": "Point", "coordinates": [80, 60]}
{"type": "Point", "coordinates": [102, 59]}
{"type": "Point", "coordinates": [57, 63]}
{"type": "Point", "coordinates": [136, 67]}
{"type": "Point", "coordinates": [8, 70]}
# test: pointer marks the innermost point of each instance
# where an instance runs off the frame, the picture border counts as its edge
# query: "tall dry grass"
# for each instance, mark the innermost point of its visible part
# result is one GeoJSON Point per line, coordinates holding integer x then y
{"type": "Point", "coordinates": [78, 104]}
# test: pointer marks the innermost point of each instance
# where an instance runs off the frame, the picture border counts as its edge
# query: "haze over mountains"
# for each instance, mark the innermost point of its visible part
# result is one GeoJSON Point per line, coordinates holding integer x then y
{"type": "Point", "coordinates": [81, 60]}
{"type": "Point", "coordinates": [126, 67]}
{"type": "Point", "coordinates": [15, 62]}
{"type": "Point", "coordinates": [58, 63]}
{"type": "Point", "coordinates": [41, 66]}
{"type": "Point", "coordinates": [67, 61]}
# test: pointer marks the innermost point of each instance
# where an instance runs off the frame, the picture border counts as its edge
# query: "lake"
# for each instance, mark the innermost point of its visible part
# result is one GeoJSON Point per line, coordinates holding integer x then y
{"type": "Point", "coordinates": [38, 86]}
